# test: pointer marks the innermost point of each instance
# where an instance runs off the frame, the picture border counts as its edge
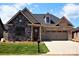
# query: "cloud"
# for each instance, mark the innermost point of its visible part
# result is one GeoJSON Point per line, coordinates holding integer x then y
{"type": "Point", "coordinates": [33, 7]}
{"type": "Point", "coordinates": [29, 4]}
{"type": "Point", "coordinates": [71, 12]}
{"type": "Point", "coordinates": [50, 10]}
{"type": "Point", "coordinates": [36, 6]}
{"type": "Point", "coordinates": [7, 11]}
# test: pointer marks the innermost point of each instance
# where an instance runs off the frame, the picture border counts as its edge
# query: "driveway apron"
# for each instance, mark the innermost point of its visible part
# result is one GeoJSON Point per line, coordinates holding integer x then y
{"type": "Point", "coordinates": [63, 47]}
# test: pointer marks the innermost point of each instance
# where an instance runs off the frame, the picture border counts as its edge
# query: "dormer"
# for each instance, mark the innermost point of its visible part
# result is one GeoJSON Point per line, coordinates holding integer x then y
{"type": "Point", "coordinates": [48, 19]}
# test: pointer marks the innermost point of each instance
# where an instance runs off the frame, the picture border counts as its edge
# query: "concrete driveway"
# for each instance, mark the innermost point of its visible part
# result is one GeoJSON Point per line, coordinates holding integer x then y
{"type": "Point", "coordinates": [63, 48]}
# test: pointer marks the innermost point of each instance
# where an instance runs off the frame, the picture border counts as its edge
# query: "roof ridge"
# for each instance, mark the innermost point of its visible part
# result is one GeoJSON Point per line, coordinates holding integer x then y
{"type": "Point", "coordinates": [30, 13]}
{"type": "Point", "coordinates": [62, 18]}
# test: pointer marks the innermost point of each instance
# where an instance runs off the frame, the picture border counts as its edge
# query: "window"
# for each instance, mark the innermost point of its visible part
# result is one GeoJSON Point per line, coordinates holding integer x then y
{"type": "Point", "coordinates": [47, 20]}
{"type": "Point", "coordinates": [20, 31]}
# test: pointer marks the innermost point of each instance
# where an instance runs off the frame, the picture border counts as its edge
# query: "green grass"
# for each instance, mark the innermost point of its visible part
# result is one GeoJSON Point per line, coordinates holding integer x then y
{"type": "Point", "coordinates": [27, 48]}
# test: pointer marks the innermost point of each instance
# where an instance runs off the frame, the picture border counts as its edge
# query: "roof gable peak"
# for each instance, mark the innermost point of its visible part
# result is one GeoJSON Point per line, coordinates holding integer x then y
{"type": "Point", "coordinates": [64, 18]}
{"type": "Point", "coordinates": [25, 9]}
{"type": "Point", "coordinates": [47, 13]}
{"type": "Point", "coordinates": [29, 14]}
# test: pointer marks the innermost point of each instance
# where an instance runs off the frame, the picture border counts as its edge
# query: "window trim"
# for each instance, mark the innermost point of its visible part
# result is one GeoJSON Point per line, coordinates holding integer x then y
{"type": "Point", "coordinates": [47, 20]}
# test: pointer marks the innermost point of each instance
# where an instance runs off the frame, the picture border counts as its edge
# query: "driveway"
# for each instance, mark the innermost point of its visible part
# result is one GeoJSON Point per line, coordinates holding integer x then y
{"type": "Point", "coordinates": [62, 48]}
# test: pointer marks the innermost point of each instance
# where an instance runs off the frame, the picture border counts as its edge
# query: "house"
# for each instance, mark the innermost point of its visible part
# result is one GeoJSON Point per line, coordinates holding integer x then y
{"type": "Point", "coordinates": [75, 34]}
{"type": "Point", "coordinates": [27, 26]}
{"type": "Point", "coordinates": [1, 29]}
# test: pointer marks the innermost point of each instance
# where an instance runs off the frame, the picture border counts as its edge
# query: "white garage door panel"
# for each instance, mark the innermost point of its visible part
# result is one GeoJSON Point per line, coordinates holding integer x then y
{"type": "Point", "coordinates": [56, 35]}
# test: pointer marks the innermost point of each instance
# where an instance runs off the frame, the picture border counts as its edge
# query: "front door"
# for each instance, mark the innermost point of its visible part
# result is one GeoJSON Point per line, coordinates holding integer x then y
{"type": "Point", "coordinates": [35, 33]}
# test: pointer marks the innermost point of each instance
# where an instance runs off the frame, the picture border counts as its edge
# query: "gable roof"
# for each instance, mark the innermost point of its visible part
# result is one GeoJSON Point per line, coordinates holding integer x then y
{"type": "Point", "coordinates": [23, 12]}
{"type": "Point", "coordinates": [16, 15]}
{"type": "Point", "coordinates": [64, 18]}
{"type": "Point", "coordinates": [28, 14]}
{"type": "Point", "coordinates": [54, 18]}
{"type": "Point", "coordinates": [13, 16]}
{"type": "Point", "coordinates": [40, 18]}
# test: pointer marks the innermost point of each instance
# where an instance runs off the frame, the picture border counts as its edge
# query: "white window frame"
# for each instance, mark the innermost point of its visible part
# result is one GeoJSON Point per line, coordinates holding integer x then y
{"type": "Point", "coordinates": [46, 21]}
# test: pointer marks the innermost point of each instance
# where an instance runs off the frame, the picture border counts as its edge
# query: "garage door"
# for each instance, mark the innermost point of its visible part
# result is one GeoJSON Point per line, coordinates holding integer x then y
{"type": "Point", "coordinates": [52, 35]}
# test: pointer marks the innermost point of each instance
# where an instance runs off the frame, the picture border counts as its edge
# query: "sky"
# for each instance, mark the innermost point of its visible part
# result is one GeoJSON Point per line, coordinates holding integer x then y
{"type": "Point", "coordinates": [69, 10]}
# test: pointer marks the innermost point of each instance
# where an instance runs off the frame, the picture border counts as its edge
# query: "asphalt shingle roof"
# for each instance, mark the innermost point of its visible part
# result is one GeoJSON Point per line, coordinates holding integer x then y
{"type": "Point", "coordinates": [40, 18]}
{"type": "Point", "coordinates": [37, 18]}
{"type": "Point", "coordinates": [76, 29]}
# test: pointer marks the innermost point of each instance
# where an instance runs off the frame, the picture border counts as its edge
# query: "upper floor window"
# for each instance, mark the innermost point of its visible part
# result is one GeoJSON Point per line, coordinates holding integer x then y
{"type": "Point", "coordinates": [47, 20]}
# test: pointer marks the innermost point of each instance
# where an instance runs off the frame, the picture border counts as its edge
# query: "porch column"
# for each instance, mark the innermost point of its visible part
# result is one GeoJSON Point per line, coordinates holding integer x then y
{"type": "Point", "coordinates": [31, 33]}
{"type": "Point", "coordinates": [40, 33]}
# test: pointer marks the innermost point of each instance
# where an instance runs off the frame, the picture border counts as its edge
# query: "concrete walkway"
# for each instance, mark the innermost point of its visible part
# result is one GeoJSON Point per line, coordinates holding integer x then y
{"type": "Point", "coordinates": [62, 48]}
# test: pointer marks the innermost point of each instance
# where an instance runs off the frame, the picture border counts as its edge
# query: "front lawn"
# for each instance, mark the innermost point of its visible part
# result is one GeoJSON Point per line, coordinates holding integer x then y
{"type": "Point", "coordinates": [25, 48]}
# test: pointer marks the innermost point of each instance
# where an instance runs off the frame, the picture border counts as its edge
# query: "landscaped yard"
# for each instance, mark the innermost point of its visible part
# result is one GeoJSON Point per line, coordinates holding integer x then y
{"type": "Point", "coordinates": [25, 48]}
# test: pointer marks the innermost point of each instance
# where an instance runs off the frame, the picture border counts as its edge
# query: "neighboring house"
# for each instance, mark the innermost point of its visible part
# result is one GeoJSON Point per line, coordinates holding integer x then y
{"type": "Point", "coordinates": [75, 34]}
{"type": "Point", "coordinates": [27, 26]}
{"type": "Point", "coordinates": [1, 29]}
